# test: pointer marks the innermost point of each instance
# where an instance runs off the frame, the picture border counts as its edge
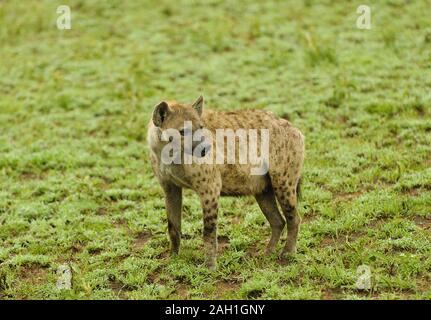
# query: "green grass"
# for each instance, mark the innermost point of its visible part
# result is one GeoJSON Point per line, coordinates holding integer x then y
{"type": "Point", "coordinates": [75, 181]}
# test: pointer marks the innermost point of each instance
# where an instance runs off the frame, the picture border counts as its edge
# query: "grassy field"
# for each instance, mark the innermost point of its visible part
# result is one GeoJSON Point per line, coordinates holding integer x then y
{"type": "Point", "coordinates": [76, 186]}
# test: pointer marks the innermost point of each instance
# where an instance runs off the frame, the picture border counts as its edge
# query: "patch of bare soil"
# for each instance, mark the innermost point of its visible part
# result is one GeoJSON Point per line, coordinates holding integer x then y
{"type": "Point", "coordinates": [101, 211]}
{"type": "Point", "coordinates": [377, 223]}
{"type": "Point", "coordinates": [308, 218]}
{"type": "Point", "coordinates": [423, 222]}
{"type": "Point", "coordinates": [154, 277]}
{"type": "Point", "coordinates": [343, 119]}
{"type": "Point", "coordinates": [285, 260]}
{"type": "Point", "coordinates": [76, 248]}
{"type": "Point", "coordinates": [95, 251]}
{"type": "Point", "coordinates": [116, 285]}
{"type": "Point", "coordinates": [341, 239]}
{"type": "Point", "coordinates": [141, 239]}
{"type": "Point", "coordinates": [423, 283]}
{"type": "Point", "coordinates": [224, 287]}
{"type": "Point", "coordinates": [236, 220]}
{"type": "Point", "coordinates": [31, 176]}
{"type": "Point", "coordinates": [182, 290]}
{"type": "Point", "coordinates": [370, 294]}
{"type": "Point", "coordinates": [33, 274]}
{"type": "Point", "coordinates": [330, 241]}
{"type": "Point", "coordinates": [337, 293]}
{"type": "Point", "coordinates": [163, 255]}
{"type": "Point", "coordinates": [119, 288]}
{"type": "Point", "coordinates": [121, 223]}
{"type": "Point", "coordinates": [413, 192]}
{"type": "Point", "coordinates": [347, 196]}
{"type": "Point", "coordinates": [331, 293]}
{"type": "Point", "coordinates": [255, 251]}
{"type": "Point", "coordinates": [223, 242]}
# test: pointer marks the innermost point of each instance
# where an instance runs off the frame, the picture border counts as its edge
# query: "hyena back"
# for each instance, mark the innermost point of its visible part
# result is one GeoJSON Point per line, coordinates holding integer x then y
{"type": "Point", "coordinates": [212, 180]}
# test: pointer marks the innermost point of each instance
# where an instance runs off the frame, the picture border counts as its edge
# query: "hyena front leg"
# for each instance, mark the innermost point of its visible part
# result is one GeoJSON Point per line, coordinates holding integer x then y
{"type": "Point", "coordinates": [209, 199]}
{"type": "Point", "coordinates": [173, 200]}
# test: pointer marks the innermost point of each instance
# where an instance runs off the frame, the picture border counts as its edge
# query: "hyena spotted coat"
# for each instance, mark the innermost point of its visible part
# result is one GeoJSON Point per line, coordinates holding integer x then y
{"type": "Point", "coordinates": [210, 181]}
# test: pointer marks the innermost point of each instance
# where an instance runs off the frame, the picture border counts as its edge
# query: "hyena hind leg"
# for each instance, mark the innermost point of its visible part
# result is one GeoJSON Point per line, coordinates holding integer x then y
{"type": "Point", "coordinates": [286, 194]}
{"type": "Point", "coordinates": [268, 205]}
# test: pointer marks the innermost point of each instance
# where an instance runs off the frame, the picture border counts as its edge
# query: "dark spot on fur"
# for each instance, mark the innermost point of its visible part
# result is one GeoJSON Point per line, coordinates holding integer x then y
{"type": "Point", "coordinates": [289, 207]}
{"type": "Point", "coordinates": [209, 228]}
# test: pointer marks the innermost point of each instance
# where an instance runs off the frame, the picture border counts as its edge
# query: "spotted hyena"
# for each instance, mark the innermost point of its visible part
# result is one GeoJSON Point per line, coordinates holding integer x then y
{"type": "Point", "coordinates": [210, 180]}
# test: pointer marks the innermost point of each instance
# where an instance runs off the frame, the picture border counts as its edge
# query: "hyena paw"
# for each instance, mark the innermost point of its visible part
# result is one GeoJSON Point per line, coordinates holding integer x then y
{"type": "Point", "coordinates": [174, 252]}
{"type": "Point", "coordinates": [289, 251]}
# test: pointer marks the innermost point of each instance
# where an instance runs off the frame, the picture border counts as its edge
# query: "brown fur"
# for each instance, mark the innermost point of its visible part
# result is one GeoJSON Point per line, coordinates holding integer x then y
{"type": "Point", "coordinates": [210, 181]}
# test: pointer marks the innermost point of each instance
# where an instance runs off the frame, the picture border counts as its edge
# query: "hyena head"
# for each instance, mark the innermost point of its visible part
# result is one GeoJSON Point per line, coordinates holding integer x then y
{"type": "Point", "coordinates": [180, 127]}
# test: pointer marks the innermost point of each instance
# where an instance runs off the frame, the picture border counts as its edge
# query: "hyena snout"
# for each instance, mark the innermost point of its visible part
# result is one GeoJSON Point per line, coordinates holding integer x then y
{"type": "Point", "coordinates": [201, 149]}
{"type": "Point", "coordinates": [206, 150]}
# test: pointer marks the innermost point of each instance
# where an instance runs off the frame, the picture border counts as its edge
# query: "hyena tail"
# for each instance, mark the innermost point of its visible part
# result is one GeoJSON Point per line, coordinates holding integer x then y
{"type": "Point", "coordinates": [298, 189]}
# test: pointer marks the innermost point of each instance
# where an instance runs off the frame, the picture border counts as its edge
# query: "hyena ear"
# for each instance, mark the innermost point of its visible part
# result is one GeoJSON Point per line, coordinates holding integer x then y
{"type": "Point", "coordinates": [199, 105]}
{"type": "Point", "coordinates": [160, 112]}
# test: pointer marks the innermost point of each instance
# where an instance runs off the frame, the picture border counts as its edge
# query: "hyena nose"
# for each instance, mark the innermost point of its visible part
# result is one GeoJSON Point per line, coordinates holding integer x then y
{"type": "Point", "coordinates": [205, 150]}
